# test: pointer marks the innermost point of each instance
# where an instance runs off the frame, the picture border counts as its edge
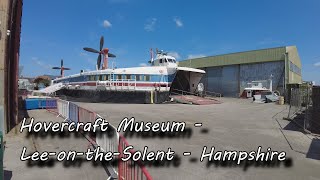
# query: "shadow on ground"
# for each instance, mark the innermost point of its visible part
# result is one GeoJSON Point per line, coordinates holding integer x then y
{"type": "Point", "coordinates": [7, 174]}
{"type": "Point", "coordinates": [314, 149]}
{"type": "Point", "coordinates": [298, 124]}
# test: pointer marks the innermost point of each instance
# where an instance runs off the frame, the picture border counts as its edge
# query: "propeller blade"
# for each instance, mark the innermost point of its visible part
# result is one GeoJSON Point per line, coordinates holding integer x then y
{"type": "Point", "coordinates": [91, 50]}
{"type": "Point", "coordinates": [66, 68]}
{"type": "Point", "coordinates": [61, 62]}
{"type": "Point", "coordinates": [101, 42]}
{"type": "Point", "coordinates": [111, 55]}
{"type": "Point", "coordinates": [61, 72]}
{"type": "Point", "coordinates": [56, 68]}
{"type": "Point", "coordinates": [99, 61]}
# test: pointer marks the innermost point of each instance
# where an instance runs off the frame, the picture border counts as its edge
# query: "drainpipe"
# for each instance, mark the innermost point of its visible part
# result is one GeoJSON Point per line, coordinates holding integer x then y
{"type": "Point", "coordinates": [285, 69]}
{"type": "Point", "coordinates": [285, 74]}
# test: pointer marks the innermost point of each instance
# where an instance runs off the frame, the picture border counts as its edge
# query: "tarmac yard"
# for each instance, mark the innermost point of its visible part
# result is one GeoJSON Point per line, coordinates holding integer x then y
{"type": "Point", "coordinates": [234, 125]}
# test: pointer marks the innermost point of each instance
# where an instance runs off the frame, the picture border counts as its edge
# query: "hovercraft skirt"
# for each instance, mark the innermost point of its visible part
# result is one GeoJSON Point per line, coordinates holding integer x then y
{"type": "Point", "coordinates": [135, 97]}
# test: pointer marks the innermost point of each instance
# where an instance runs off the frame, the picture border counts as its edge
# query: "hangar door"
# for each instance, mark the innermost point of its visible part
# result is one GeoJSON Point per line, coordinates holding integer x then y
{"type": "Point", "coordinates": [224, 80]}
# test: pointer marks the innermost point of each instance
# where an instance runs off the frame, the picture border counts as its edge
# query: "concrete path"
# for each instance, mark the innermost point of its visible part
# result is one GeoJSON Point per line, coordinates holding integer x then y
{"type": "Point", "coordinates": [16, 169]}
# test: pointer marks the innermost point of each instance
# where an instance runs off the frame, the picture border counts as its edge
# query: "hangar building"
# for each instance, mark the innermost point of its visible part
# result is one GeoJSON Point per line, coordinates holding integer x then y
{"type": "Point", "coordinates": [229, 74]}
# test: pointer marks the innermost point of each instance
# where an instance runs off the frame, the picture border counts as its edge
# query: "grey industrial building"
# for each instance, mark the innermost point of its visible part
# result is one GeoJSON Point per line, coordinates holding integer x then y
{"type": "Point", "coordinates": [229, 74]}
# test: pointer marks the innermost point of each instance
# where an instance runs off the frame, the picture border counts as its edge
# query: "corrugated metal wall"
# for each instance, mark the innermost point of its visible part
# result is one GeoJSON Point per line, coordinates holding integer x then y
{"type": "Point", "coordinates": [223, 80]}
{"type": "Point", "coordinates": [262, 71]}
{"type": "Point", "coordinates": [230, 81]}
{"type": "Point", "coordinates": [214, 79]}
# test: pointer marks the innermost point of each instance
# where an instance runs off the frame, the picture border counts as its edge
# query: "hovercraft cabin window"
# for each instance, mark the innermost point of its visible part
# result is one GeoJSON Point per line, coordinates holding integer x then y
{"type": "Point", "coordinates": [119, 76]}
{"type": "Point", "coordinates": [128, 76]}
{"type": "Point", "coordinates": [92, 78]}
{"type": "Point", "coordinates": [146, 77]}
{"type": "Point", "coordinates": [104, 77]}
{"type": "Point", "coordinates": [138, 78]}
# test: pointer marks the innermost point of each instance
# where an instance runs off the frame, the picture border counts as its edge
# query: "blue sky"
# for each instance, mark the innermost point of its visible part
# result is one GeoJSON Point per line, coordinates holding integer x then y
{"type": "Point", "coordinates": [54, 30]}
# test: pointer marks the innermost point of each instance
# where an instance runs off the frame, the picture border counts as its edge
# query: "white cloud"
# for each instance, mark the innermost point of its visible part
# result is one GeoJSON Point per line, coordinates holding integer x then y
{"type": "Point", "coordinates": [174, 54]}
{"type": "Point", "coordinates": [178, 22]}
{"type": "Point", "coordinates": [106, 24]}
{"type": "Point", "coordinates": [82, 54]}
{"type": "Point", "coordinates": [317, 64]}
{"type": "Point", "coordinates": [194, 56]}
{"type": "Point", "coordinates": [143, 64]}
{"type": "Point", "coordinates": [150, 25]}
{"type": "Point", "coordinates": [41, 64]}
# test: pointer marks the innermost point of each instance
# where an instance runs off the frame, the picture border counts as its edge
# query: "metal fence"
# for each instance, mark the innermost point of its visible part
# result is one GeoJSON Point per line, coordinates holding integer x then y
{"type": "Point", "coordinates": [110, 141]}
{"type": "Point", "coordinates": [295, 102]}
{"type": "Point", "coordinates": [304, 107]}
{"type": "Point", "coordinates": [129, 169]}
{"type": "Point", "coordinates": [312, 114]}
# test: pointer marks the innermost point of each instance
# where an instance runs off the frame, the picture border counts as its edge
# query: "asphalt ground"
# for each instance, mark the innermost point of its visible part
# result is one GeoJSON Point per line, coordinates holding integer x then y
{"type": "Point", "coordinates": [236, 124]}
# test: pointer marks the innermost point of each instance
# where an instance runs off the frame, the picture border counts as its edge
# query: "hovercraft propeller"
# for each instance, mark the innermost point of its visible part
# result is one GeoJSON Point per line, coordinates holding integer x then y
{"type": "Point", "coordinates": [61, 68]}
{"type": "Point", "coordinates": [102, 51]}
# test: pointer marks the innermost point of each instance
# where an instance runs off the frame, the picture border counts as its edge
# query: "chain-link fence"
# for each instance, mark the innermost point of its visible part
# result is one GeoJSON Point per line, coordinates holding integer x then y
{"type": "Point", "coordinates": [312, 113]}
{"type": "Point", "coordinates": [297, 101]}
{"type": "Point", "coordinates": [304, 110]}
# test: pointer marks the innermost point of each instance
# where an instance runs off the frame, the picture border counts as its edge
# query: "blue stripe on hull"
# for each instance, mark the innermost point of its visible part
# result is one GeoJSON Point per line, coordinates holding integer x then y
{"type": "Point", "coordinates": [153, 78]}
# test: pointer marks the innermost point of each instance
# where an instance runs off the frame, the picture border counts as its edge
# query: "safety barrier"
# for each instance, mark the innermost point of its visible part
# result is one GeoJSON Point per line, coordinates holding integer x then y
{"type": "Point", "coordinates": [73, 113]}
{"type": "Point", "coordinates": [111, 141]}
{"type": "Point", "coordinates": [63, 108]}
{"type": "Point", "coordinates": [51, 105]}
{"type": "Point", "coordinates": [295, 102]}
{"type": "Point", "coordinates": [130, 169]}
{"type": "Point", "coordinates": [108, 141]}
{"type": "Point", "coordinates": [302, 107]}
{"type": "Point", "coordinates": [85, 115]}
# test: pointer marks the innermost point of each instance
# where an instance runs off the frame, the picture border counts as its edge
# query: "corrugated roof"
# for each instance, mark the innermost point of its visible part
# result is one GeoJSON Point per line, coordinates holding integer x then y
{"type": "Point", "coordinates": [254, 56]}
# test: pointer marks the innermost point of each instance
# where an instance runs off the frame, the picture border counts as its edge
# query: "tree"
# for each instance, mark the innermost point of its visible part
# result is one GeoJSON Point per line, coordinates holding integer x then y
{"type": "Point", "coordinates": [41, 80]}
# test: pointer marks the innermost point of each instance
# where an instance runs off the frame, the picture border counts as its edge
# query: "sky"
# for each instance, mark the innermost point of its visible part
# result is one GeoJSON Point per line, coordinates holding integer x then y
{"type": "Point", "coordinates": [55, 30]}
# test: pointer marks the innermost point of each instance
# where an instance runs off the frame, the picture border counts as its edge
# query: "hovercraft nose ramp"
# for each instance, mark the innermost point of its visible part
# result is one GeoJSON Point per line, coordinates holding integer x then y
{"type": "Point", "coordinates": [186, 79]}
{"type": "Point", "coordinates": [184, 88]}
{"type": "Point", "coordinates": [192, 99]}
